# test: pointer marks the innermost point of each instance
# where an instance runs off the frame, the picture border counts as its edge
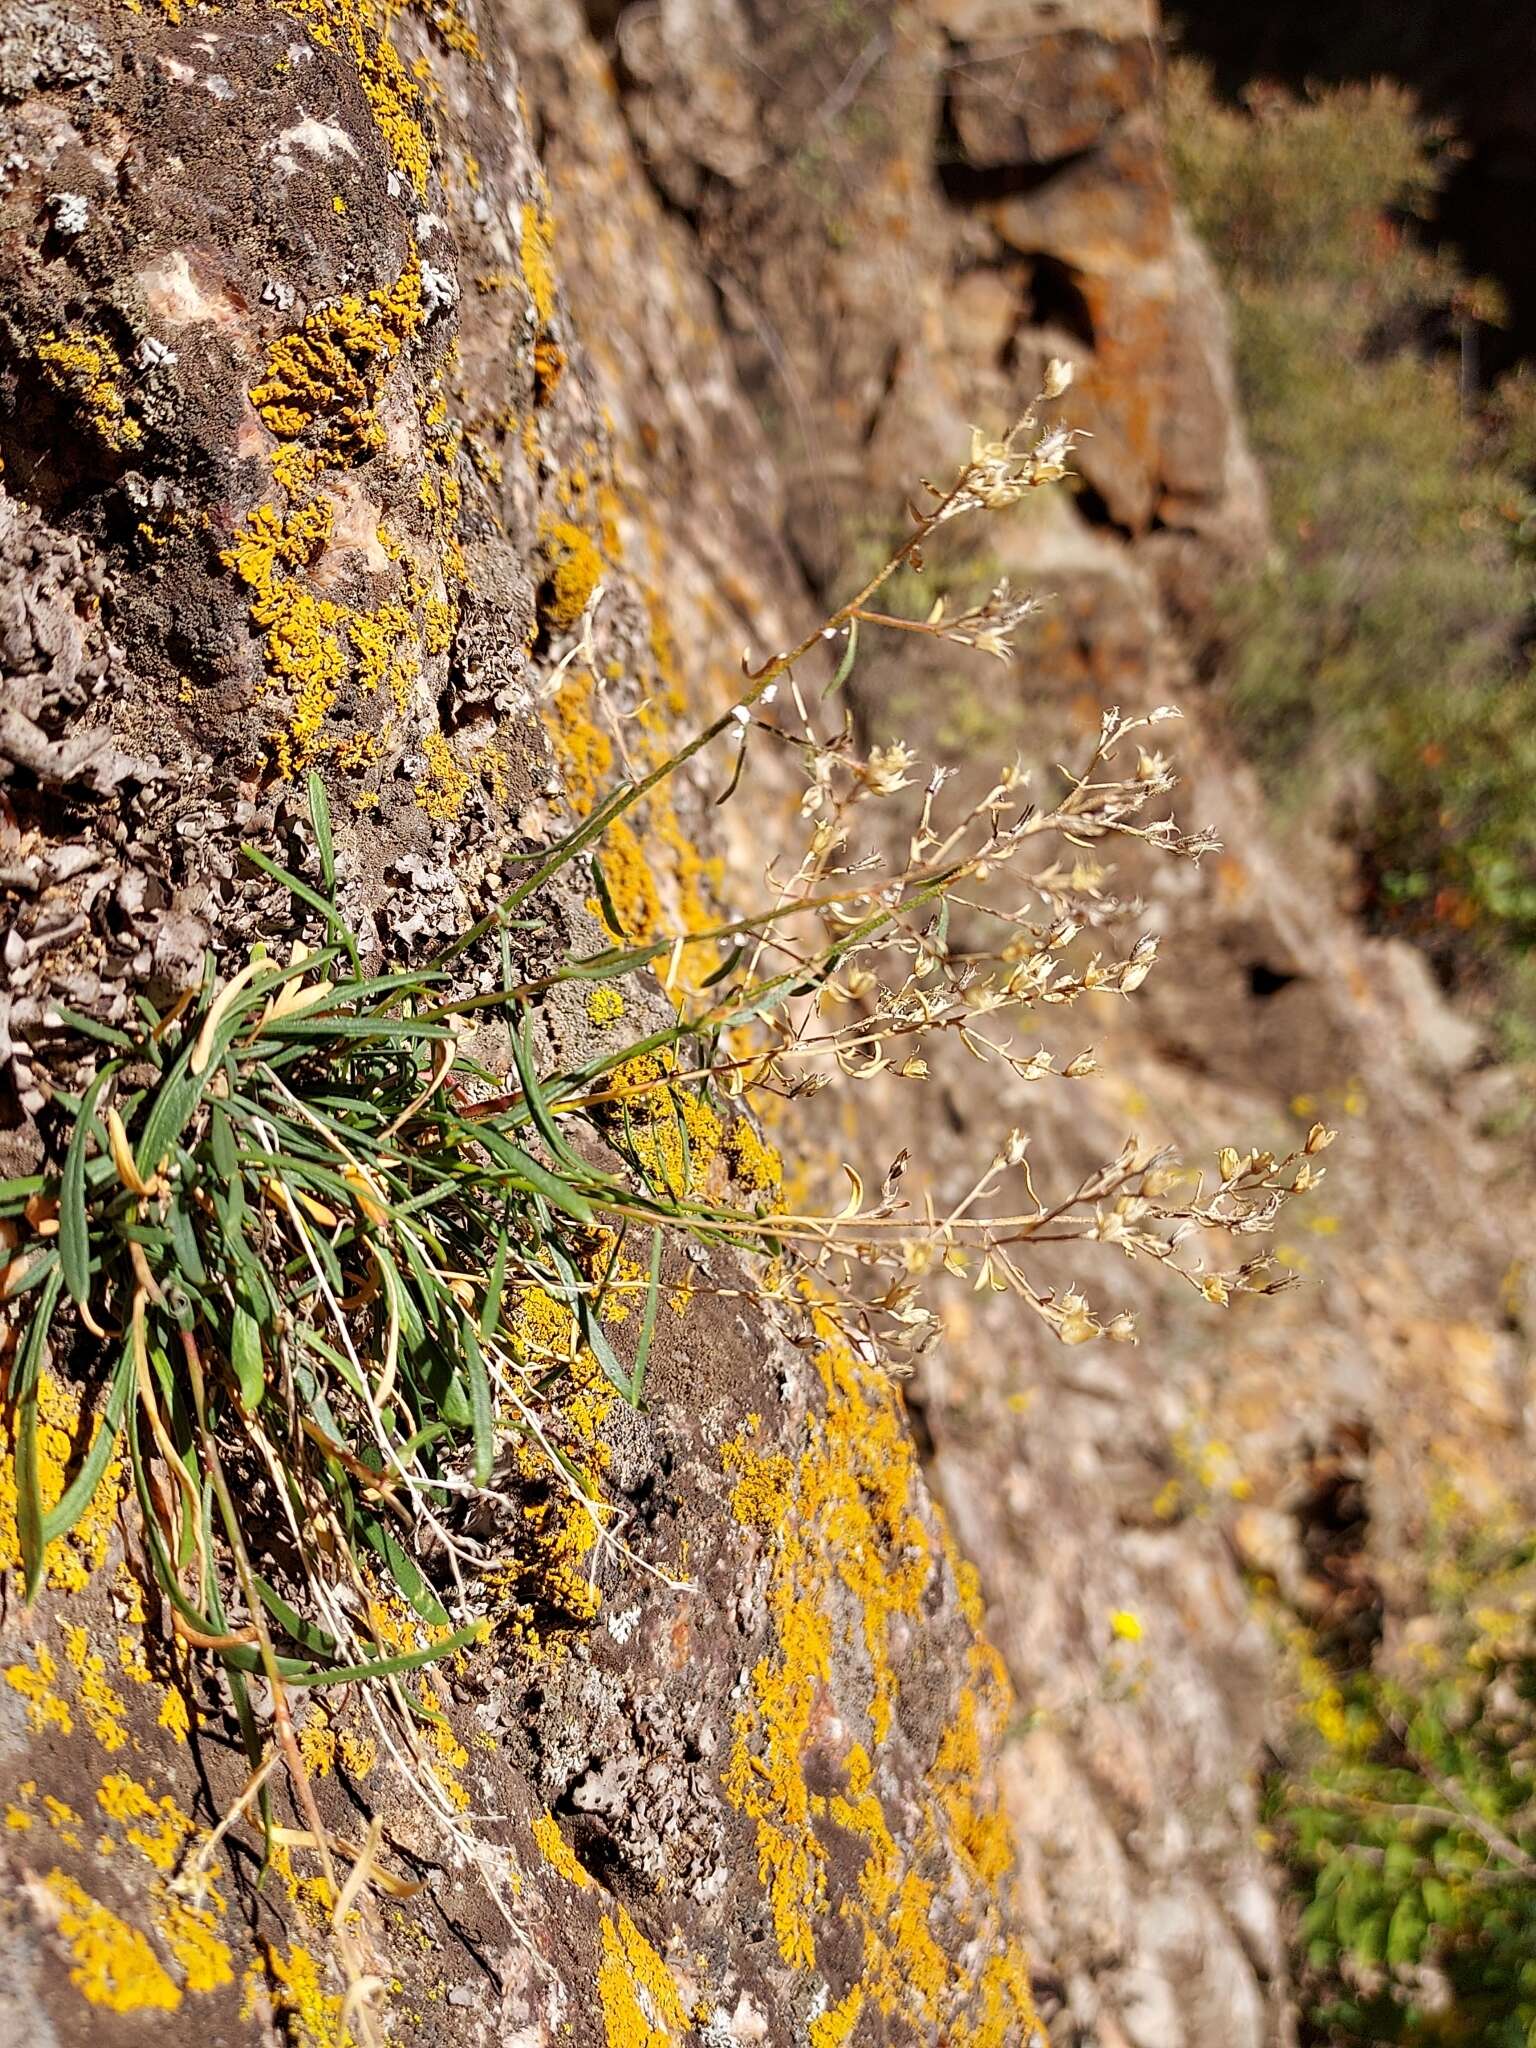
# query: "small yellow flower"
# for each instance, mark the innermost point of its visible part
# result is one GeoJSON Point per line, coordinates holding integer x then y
{"type": "Point", "coordinates": [1125, 1625]}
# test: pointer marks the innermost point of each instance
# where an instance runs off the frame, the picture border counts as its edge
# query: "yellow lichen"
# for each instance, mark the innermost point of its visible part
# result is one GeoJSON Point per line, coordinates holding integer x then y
{"type": "Point", "coordinates": [191, 1935]}
{"type": "Point", "coordinates": [359, 1754]}
{"type": "Point", "coordinates": [114, 1965]}
{"type": "Point", "coordinates": [638, 1994]}
{"type": "Point", "coordinates": [157, 1828]}
{"type": "Point", "coordinates": [843, 1512]}
{"type": "Point", "coordinates": [843, 1532]}
{"type": "Point", "coordinates": [310, 2013]}
{"type": "Point", "coordinates": [88, 368]}
{"type": "Point", "coordinates": [835, 2026]}
{"type": "Point", "coordinates": [574, 570]}
{"type": "Point", "coordinates": [557, 1851]}
{"type": "Point", "coordinates": [753, 1162]}
{"type": "Point", "coordinates": [538, 265]}
{"type": "Point", "coordinates": [323, 379]}
{"type": "Point", "coordinates": [361, 28]}
{"type": "Point", "coordinates": [442, 790]}
{"type": "Point", "coordinates": [976, 1823]}
{"type": "Point", "coordinates": [604, 1003]}
{"type": "Point", "coordinates": [105, 1710]}
{"type": "Point", "coordinates": [671, 1131]}
{"type": "Point", "coordinates": [45, 1708]}
{"type": "Point", "coordinates": [69, 1561]}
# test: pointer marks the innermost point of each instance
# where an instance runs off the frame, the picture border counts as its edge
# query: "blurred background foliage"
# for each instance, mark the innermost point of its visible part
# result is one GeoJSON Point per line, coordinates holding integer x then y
{"type": "Point", "coordinates": [1380, 671]}
{"type": "Point", "coordinates": [1381, 674]}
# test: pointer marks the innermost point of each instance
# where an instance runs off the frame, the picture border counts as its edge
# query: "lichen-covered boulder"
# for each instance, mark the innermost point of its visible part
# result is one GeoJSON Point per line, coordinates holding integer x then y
{"type": "Point", "coordinates": [307, 470]}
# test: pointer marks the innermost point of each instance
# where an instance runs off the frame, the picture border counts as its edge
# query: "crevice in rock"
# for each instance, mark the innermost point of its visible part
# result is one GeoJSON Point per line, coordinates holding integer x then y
{"type": "Point", "coordinates": [968, 185]}
{"type": "Point", "coordinates": [1057, 299]}
{"type": "Point", "coordinates": [1264, 980]}
{"type": "Point", "coordinates": [1093, 509]}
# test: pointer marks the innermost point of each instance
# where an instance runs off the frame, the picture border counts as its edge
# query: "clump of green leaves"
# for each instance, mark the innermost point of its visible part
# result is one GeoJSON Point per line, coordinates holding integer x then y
{"type": "Point", "coordinates": [1411, 1838]}
{"type": "Point", "coordinates": [1379, 659]}
{"type": "Point", "coordinates": [296, 1212]}
{"type": "Point", "coordinates": [304, 1210]}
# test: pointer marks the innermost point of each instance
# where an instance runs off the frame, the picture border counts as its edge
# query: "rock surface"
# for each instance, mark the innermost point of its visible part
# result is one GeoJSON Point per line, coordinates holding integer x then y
{"type": "Point", "coordinates": [306, 467]}
{"type": "Point", "coordinates": [709, 286]}
{"type": "Point", "coordinates": [904, 217]}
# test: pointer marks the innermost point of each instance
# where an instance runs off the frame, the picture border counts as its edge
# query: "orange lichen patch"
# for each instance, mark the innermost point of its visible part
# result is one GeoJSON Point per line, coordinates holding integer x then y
{"type": "Point", "coordinates": [669, 1129]}
{"type": "Point", "coordinates": [557, 1851]}
{"type": "Point", "coordinates": [904, 1967]}
{"type": "Point", "coordinates": [842, 1512]}
{"type": "Point", "coordinates": [975, 1823]}
{"type": "Point", "coordinates": [323, 378]}
{"type": "Point", "coordinates": [90, 371]}
{"type": "Point", "coordinates": [633, 909]}
{"type": "Point", "coordinates": [157, 1828]}
{"type": "Point", "coordinates": [69, 1561]}
{"type": "Point", "coordinates": [1007, 2017]}
{"type": "Point", "coordinates": [104, 1708]}
{"type": "Point", "coordinates": [548, 367]}
{"type": "Point", "coordinates": [604, 1003]}
{"type": "Point", "coordinates": [537, 251]}
{"type": "Point", "coordinates": [114, 1965]}
{"type": "Point", "coordinates": [320, 394]}
{"type": "Point", "coordinates": [752, 1160]}
{"type": "Point", "coordinates": [442, 790]}
{"type": "Point", "coordinates": [656, 878]}
{"type": "Point", "coordinates": [639, 1997]}
{"type": "Point", "coordinates": [45, 1708]}
{"type": "Point", "coordinates": [574, 570]}
{"type": "Point", "coordinates": [835, 2026]}
{"type": "Point", "coordinates": [843, 1521]}
{"type": "Point", "coordinates": [174, 1716]}
{"type": "Point", "coordinates": [311, 2015]}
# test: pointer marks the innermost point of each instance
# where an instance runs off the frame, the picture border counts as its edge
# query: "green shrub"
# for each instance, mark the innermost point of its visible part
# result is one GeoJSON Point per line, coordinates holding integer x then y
{"type": "Point", "coordinates": [1407, 1819]}
{"type": "Point", "coordinates": [1378, 658]}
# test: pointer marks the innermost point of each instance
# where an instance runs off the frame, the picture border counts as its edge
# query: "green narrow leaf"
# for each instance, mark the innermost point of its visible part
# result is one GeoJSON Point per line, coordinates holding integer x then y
{"type": "Point", "coordinates": [246, 1360]}
{"type": "Point", "coordinates": [648, 1325]}
{"type": "Point", "coordinates": [605, 900]}
{"type": "Point", "coordinates": [74, 1229]}
{"type": "Point", "coordinates": [314, 1639]}
{"type": "Point", "coordinates": [726, 968]}
{"type": "Point", "coordinates": [388, 1667]}
{"type": "Point", "coordinates": [81, 1490]}
{"type": "Point", "coordinates": [334, 921]}
{"type": "Point", "coordinates": [845, 666]}
{"type": "Point", "coordinates": [533, 1093]}
{"type": "Point", "coordinates": [734, 784]}
{"type": "Point", "coordinates": [592, 1331]}
{"type": "Point", "coordinates": [29, 1499]}
{"type": "Point", "coordinates": [184, 1242]}
{"type": "Point", "coordinates": [483, 1413]}
{"type": "Point", "coordinates": [495, 1283]}
{"type": "Point", "coordinates": [105, 1034]}
{"type": "Point", "coordinates": [530, 1174]}
{"type": "Point", "coordinates": [320, 818]}
{"type": "Point", "coordinates": [381, 1539]}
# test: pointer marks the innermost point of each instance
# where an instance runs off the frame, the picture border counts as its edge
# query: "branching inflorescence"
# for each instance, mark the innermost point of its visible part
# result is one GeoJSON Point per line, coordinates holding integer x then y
{"type": "Point", "coordinates": [327, 1259]}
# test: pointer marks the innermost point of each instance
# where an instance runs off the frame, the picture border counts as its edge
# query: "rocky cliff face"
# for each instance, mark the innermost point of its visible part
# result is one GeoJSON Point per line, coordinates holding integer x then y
{"type": "Point", "coordinates": [904, 212]}
{"type": "Point", "coordinates": [348, 345]}
{"type": "Point", "coordinates": [306, 467]}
